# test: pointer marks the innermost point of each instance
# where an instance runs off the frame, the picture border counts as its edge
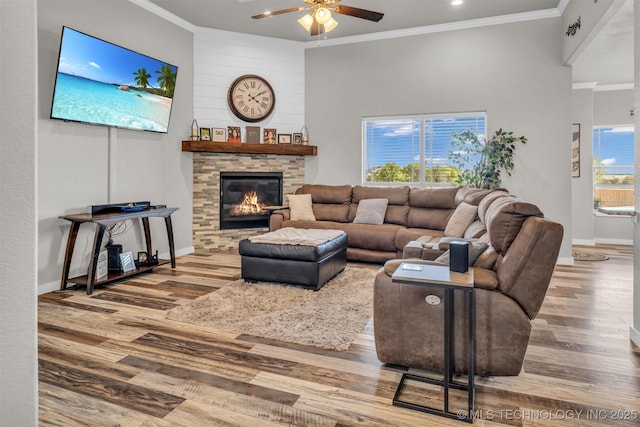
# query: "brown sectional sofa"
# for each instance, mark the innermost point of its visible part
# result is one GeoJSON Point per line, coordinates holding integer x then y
{"type": "Point", "coordinates": [412, 213]}
{"type": "Point", "coordinates": [519, 250]}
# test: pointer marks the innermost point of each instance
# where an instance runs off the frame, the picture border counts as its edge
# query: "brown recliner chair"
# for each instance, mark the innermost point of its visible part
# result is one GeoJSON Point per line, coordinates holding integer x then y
{"type": "Point", "coordinates": [508, 296]}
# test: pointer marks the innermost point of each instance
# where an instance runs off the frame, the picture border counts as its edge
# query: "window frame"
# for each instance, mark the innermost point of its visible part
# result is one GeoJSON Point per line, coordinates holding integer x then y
{"type": "Point", "coordinates": [421, 118]}
{"type": "Point", "coordinates": [612, 211]}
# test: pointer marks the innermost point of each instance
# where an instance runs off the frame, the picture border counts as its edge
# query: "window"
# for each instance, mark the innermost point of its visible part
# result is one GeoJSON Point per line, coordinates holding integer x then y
{"type": "Point", "coordinates": [414, 149]}
{"type": "Point", "coordinates": [613, 159]}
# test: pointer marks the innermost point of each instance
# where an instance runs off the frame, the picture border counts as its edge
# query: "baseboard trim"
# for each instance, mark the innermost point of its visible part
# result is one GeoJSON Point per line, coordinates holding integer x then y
{"type": "Point", "coordinates": [583, 242]}
{"type": "Point", "coordinates": [565, 261]}
{"type": "Point", "coordinates": [45, 288]}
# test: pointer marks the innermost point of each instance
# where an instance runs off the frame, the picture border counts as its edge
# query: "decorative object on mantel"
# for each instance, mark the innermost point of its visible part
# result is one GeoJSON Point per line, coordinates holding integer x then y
{"type": "Point", "coordinates": [194, 130]}
{"type": "Point", "coordinates": [234, 134]}
{"type": "Point", "coordinates": [319, 19]}
{"type": "Point", "coordinates": [218, 135]}
{"type": "Point", "coordinates": [305, 135]}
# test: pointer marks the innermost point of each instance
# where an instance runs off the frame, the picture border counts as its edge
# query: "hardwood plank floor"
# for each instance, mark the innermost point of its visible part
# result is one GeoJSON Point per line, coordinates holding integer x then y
{"type": "Point", "coordinates": [112, 359]}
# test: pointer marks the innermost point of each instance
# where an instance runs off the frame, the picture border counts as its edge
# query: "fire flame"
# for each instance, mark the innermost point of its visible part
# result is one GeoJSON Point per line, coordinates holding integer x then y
{"type": "Point", "coordinates": [249, 204]}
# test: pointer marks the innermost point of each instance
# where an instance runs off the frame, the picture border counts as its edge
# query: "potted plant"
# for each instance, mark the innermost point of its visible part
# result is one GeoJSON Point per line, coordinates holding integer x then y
{"type": "Point", "coordinates": [480, 163]}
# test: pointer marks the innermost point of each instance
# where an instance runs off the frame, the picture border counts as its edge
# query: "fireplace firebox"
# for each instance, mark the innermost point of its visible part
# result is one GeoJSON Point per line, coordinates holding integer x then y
{"type": "Point", "coordinates": [245, 197]}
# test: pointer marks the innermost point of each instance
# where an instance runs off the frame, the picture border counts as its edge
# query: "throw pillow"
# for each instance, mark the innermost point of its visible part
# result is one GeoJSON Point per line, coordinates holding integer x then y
{"type": "Point", "coordinates": [371, 211]}
{"type": "Point", "coordinates": [475, 250]}
{"type": "Point", "coordinates": [301, 207]}
{"type": "Point", "coordinates": [462, 217]}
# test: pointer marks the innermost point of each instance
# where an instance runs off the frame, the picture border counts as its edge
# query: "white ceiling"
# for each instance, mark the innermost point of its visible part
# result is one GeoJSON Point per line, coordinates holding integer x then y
{"type": "Point", "coordinates": [608, 59]}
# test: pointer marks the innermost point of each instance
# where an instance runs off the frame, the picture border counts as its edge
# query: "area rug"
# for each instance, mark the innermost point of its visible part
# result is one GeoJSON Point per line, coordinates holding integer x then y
{"type": "Point", "coordinates": [589, 256]}
{"type": "Point", "coordinates": [329, 318]}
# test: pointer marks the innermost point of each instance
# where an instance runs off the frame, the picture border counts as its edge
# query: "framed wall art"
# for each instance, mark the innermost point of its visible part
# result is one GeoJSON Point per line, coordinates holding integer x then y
{"type": "Point", "coordinates": [575, 151]}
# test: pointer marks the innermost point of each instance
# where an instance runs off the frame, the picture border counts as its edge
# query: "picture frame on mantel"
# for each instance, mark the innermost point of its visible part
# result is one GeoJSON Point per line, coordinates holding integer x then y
{"type": "Point", "coordinates": [218, 134]}
{"type": "Point", "coordinates": [284, 138]}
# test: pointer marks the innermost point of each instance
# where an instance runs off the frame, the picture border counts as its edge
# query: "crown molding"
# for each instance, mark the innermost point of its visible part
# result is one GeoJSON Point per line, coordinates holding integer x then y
{"type": "Point", "coordinates": [162, 13]}
{"type": "Point", "coordinates": [439, 28]}
{"type": "Point", "coordinates": [611, 87]}
{"type": "Point", "coordinates": [594, 86]}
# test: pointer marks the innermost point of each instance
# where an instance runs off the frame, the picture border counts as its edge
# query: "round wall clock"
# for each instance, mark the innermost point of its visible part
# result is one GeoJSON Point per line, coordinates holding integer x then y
{"type": "Point", "coordinates": [251, 98]}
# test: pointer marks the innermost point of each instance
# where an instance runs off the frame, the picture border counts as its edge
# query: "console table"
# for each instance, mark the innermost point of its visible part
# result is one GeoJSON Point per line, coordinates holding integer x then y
{"type": "Point", "coordinates": [102, 221]}
{"type": "Point", "coordinates": [449, 281]}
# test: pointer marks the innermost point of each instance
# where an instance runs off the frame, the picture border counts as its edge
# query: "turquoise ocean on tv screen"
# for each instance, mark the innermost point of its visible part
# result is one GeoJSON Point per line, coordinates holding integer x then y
{"type": "Point", "coordinates": [85, 100]}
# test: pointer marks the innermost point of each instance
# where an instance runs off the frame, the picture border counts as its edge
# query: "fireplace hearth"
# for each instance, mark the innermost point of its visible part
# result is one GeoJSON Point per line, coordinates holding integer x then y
{"type": "Point", "coordinates": [245, 197]}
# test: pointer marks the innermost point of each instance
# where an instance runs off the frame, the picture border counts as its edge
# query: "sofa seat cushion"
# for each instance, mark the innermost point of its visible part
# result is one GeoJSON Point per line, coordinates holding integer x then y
{"type": "Point", "coordinates": [364, 236]}
{"type": "Point", "coordinates": [374, 237]}
{"type": "Point", "coordinates": [406, 235]}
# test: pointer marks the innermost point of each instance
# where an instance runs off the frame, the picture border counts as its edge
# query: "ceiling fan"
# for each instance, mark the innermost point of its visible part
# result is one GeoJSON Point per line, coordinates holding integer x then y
{"type": "Point", "coordinates": [319, 19]}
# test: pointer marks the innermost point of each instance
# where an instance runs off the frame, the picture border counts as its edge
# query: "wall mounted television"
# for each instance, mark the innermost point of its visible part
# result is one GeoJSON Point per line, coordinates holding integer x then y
{"type": "Point", "coordinates": [101, 83]}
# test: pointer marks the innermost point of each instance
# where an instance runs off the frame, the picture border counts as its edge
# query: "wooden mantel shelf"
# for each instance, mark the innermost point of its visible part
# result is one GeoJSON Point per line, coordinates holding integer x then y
{"type": "Point", "coordinates": [227, 147]}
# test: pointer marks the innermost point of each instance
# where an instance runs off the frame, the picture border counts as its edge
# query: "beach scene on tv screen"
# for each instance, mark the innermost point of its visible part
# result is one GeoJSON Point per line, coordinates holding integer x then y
{"type": "Point", "coordinates": [102, 83]}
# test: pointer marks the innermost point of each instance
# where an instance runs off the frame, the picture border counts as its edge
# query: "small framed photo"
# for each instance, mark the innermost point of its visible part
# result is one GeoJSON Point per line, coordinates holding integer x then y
{"type": "Point", "coordinates": [297, 139]}
{"type": "Point", "coordinates": [284, 138]}
{"type": "Point", "coordinates": [143, 257]}
{"type": "Point", "coordinates": [269, 136]}
{"type": "Point", "coordinates": [126, 261]}
{"type": "Point", "coordinates": [205, 134]}
{"type": "Point", "coordinates": [218, 134]}
{"type": "Point", "coordinates": [234, 134]}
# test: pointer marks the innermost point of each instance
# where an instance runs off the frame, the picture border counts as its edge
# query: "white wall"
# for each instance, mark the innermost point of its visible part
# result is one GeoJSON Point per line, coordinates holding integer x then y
{"type": "Point", "coordinates": [221, 56]}
{"type": "Point", "coordinates": [635, 328]}
{"type": "Point", "coordinates": [582, 186]}
{"type": "Point", "coordinates": [18, 196]}
{"type": "Point", "coordinates": [74, 168]}
{"type": "Point", "coordinates": [512, 71]}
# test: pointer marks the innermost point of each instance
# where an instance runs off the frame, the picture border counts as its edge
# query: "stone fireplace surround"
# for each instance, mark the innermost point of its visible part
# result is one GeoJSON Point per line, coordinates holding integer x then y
{"type": "Point", "coordinates": [206, 192]}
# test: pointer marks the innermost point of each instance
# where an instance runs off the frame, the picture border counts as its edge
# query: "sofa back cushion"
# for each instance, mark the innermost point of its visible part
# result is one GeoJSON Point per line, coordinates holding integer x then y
{"type": "Point", "coordinates": [431, 207]}
{"type": "Point", "coordinates": [330, 202]}
{"type": "Point", "coordinates": [397, 205]}
{"type": "Point", "coordinates": [504, 218]}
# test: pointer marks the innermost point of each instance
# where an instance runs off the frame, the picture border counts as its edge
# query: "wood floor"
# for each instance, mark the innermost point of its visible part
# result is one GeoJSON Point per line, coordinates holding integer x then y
{"type": "Point", "coordinates": [111, 359]}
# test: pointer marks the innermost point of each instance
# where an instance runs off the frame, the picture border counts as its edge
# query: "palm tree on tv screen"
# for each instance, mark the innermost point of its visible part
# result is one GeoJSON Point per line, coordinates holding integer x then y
{"type": "Point", "coordinates": [167, 80]}
{"type": "Point", "coordinates": [142, 77]}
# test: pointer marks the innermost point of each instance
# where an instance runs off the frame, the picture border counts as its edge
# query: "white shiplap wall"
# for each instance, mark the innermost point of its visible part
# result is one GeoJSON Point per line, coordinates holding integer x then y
{"type": "Point", "coordinates": [222, 56]}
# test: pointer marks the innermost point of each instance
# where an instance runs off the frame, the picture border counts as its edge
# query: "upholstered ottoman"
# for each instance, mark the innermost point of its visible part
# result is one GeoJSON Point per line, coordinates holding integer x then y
{"type": "Point", "coordinates": [296, 256]}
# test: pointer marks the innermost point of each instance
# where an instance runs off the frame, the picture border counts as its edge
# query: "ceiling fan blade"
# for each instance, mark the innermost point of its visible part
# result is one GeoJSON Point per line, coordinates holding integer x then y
{"type": "Point", "coordinates": [278, 12]}
{"type": "Point", "coordinates": [358, 13]}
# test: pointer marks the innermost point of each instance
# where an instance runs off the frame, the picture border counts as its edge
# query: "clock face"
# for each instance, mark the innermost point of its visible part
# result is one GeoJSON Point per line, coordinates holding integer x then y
{"type": "Point", "coordinates": [251, 98]}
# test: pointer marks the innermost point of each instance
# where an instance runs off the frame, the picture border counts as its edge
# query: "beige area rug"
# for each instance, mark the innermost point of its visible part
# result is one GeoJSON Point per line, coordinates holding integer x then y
{"type": "Point", "coordinates": [329, 318]}
{"type": "Point", "coordinates": [589, 256]}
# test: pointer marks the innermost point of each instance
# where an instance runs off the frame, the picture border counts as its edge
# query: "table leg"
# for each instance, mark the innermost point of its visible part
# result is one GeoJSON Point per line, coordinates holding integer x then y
{"type": "Point", "coordinates": [71, 242]}
{"type": "Point", "coordinates": [471, 337]}
{"type": "Point", "coordinates": [147, 235]}
{"type": "Point", "coordinates": [172, 249]}
{"type": "Point", "coordinates": [97, 242]}
{"type": "Point", "coordinates": [448, 318]}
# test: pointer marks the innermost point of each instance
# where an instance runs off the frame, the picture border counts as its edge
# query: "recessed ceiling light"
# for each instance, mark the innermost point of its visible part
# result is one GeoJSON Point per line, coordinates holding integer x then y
{"type": "Point", "coordinates": [456, 2]}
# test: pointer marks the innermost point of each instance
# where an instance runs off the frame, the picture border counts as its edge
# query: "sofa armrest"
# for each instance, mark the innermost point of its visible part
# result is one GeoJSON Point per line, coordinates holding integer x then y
{"type": "Point", "coordinates": [277, 218]}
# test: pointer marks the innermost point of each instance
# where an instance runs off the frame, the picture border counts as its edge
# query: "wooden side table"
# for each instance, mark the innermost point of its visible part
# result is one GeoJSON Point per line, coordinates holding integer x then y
{"type": "Point", "coordinates": [102, 221]}
{"type": "Point", "coordinates": [442, 277]}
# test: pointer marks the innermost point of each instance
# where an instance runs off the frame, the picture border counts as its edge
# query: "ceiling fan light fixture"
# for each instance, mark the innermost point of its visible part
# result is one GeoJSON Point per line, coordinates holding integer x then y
{"type": "Point", "coordinates": [330, 25]}
{"type": "Point", "coordinates": [306, 21]}
{"type": "Point", "coordinates": [323, 15]}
